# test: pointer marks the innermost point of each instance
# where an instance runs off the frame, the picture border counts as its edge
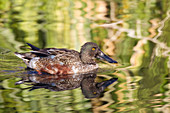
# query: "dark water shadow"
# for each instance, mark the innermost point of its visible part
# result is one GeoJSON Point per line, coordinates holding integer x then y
{"type": "Point", "coordinates": [89, 87]}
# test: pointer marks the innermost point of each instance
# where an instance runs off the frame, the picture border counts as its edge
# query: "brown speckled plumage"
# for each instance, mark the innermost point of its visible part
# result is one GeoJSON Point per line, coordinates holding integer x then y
{"type": "Point", "coordinates": [64, 61]}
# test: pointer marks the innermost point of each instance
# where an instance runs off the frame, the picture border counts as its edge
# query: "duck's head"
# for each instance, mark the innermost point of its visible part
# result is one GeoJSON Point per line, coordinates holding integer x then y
{"type": "Point", "coordinates": [90, 51]}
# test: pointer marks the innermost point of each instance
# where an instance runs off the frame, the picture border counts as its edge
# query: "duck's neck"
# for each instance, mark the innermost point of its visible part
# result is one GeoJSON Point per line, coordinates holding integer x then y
{"type": "Point", "coordinates": [86, 58]}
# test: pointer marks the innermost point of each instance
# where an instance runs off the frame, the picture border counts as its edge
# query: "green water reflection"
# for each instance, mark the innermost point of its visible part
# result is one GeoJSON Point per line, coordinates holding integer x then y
{"type": "Point", "coordinates": [135, 33]}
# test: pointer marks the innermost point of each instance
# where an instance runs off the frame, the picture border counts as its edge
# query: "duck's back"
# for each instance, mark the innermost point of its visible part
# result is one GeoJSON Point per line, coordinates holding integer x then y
{"type": "Point", "coordinates": [55, 61]}
{"type": "Point", "coordinates": [64, 56]}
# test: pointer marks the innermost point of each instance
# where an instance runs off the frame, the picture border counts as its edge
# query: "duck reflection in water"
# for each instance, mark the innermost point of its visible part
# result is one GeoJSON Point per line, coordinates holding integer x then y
{"type": "Point", "coordinates": [89, 87]}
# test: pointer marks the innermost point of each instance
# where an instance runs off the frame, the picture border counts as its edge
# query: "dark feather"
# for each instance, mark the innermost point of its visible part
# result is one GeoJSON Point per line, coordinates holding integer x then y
{"type": "Point", "coordinates": [33, 47]}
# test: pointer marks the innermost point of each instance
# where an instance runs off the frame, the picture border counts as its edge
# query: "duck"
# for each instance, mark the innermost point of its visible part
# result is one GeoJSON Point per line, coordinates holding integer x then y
{"type": "Point", "coordinates": [64, 61]}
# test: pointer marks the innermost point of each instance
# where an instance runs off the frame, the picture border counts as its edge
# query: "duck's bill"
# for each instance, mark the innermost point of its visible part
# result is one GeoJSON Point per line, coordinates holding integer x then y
{"type": "Point", "coordinates": [103, 56]}
{"type": "Point", "coordinates": [104, 84]}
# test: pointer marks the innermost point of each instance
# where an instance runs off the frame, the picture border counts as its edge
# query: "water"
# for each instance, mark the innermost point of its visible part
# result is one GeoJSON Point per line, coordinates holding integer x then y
{"type": "Point", "coordinates": [135, 33]}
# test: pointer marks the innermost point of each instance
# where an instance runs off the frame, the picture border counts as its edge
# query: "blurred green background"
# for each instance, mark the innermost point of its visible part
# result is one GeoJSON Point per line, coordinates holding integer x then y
{"type": "Point", "coordinates": [136, 33]}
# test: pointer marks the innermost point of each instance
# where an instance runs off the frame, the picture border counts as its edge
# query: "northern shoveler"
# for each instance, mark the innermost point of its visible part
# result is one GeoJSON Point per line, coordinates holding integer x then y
{"type": "Point", "coordinates": [64, 61]}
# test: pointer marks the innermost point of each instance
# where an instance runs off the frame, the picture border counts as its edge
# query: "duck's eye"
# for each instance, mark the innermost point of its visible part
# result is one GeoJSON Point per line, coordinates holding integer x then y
{"type": "Point", "coordinates": [93, 49]}
{"type": "Point", "coordinates": [94, 93]}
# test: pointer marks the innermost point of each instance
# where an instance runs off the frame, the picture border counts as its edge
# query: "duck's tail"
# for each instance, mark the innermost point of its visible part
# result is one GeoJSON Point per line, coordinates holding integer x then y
{"type": "Point", "coordinates": [26, 57]}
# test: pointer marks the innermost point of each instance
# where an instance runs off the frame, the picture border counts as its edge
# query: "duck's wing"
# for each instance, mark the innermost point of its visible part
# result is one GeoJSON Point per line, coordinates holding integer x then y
{"type": "Point", "coordinates": [33, 47]}
{"type": "Point", "coordinates": [61, 56]}
{"type": "Point", "coordinates": [37, 51]}
{"type": "Point", "coordinates": [42, 52]}
{"type": "Point", "coordinates": [52, 51]}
